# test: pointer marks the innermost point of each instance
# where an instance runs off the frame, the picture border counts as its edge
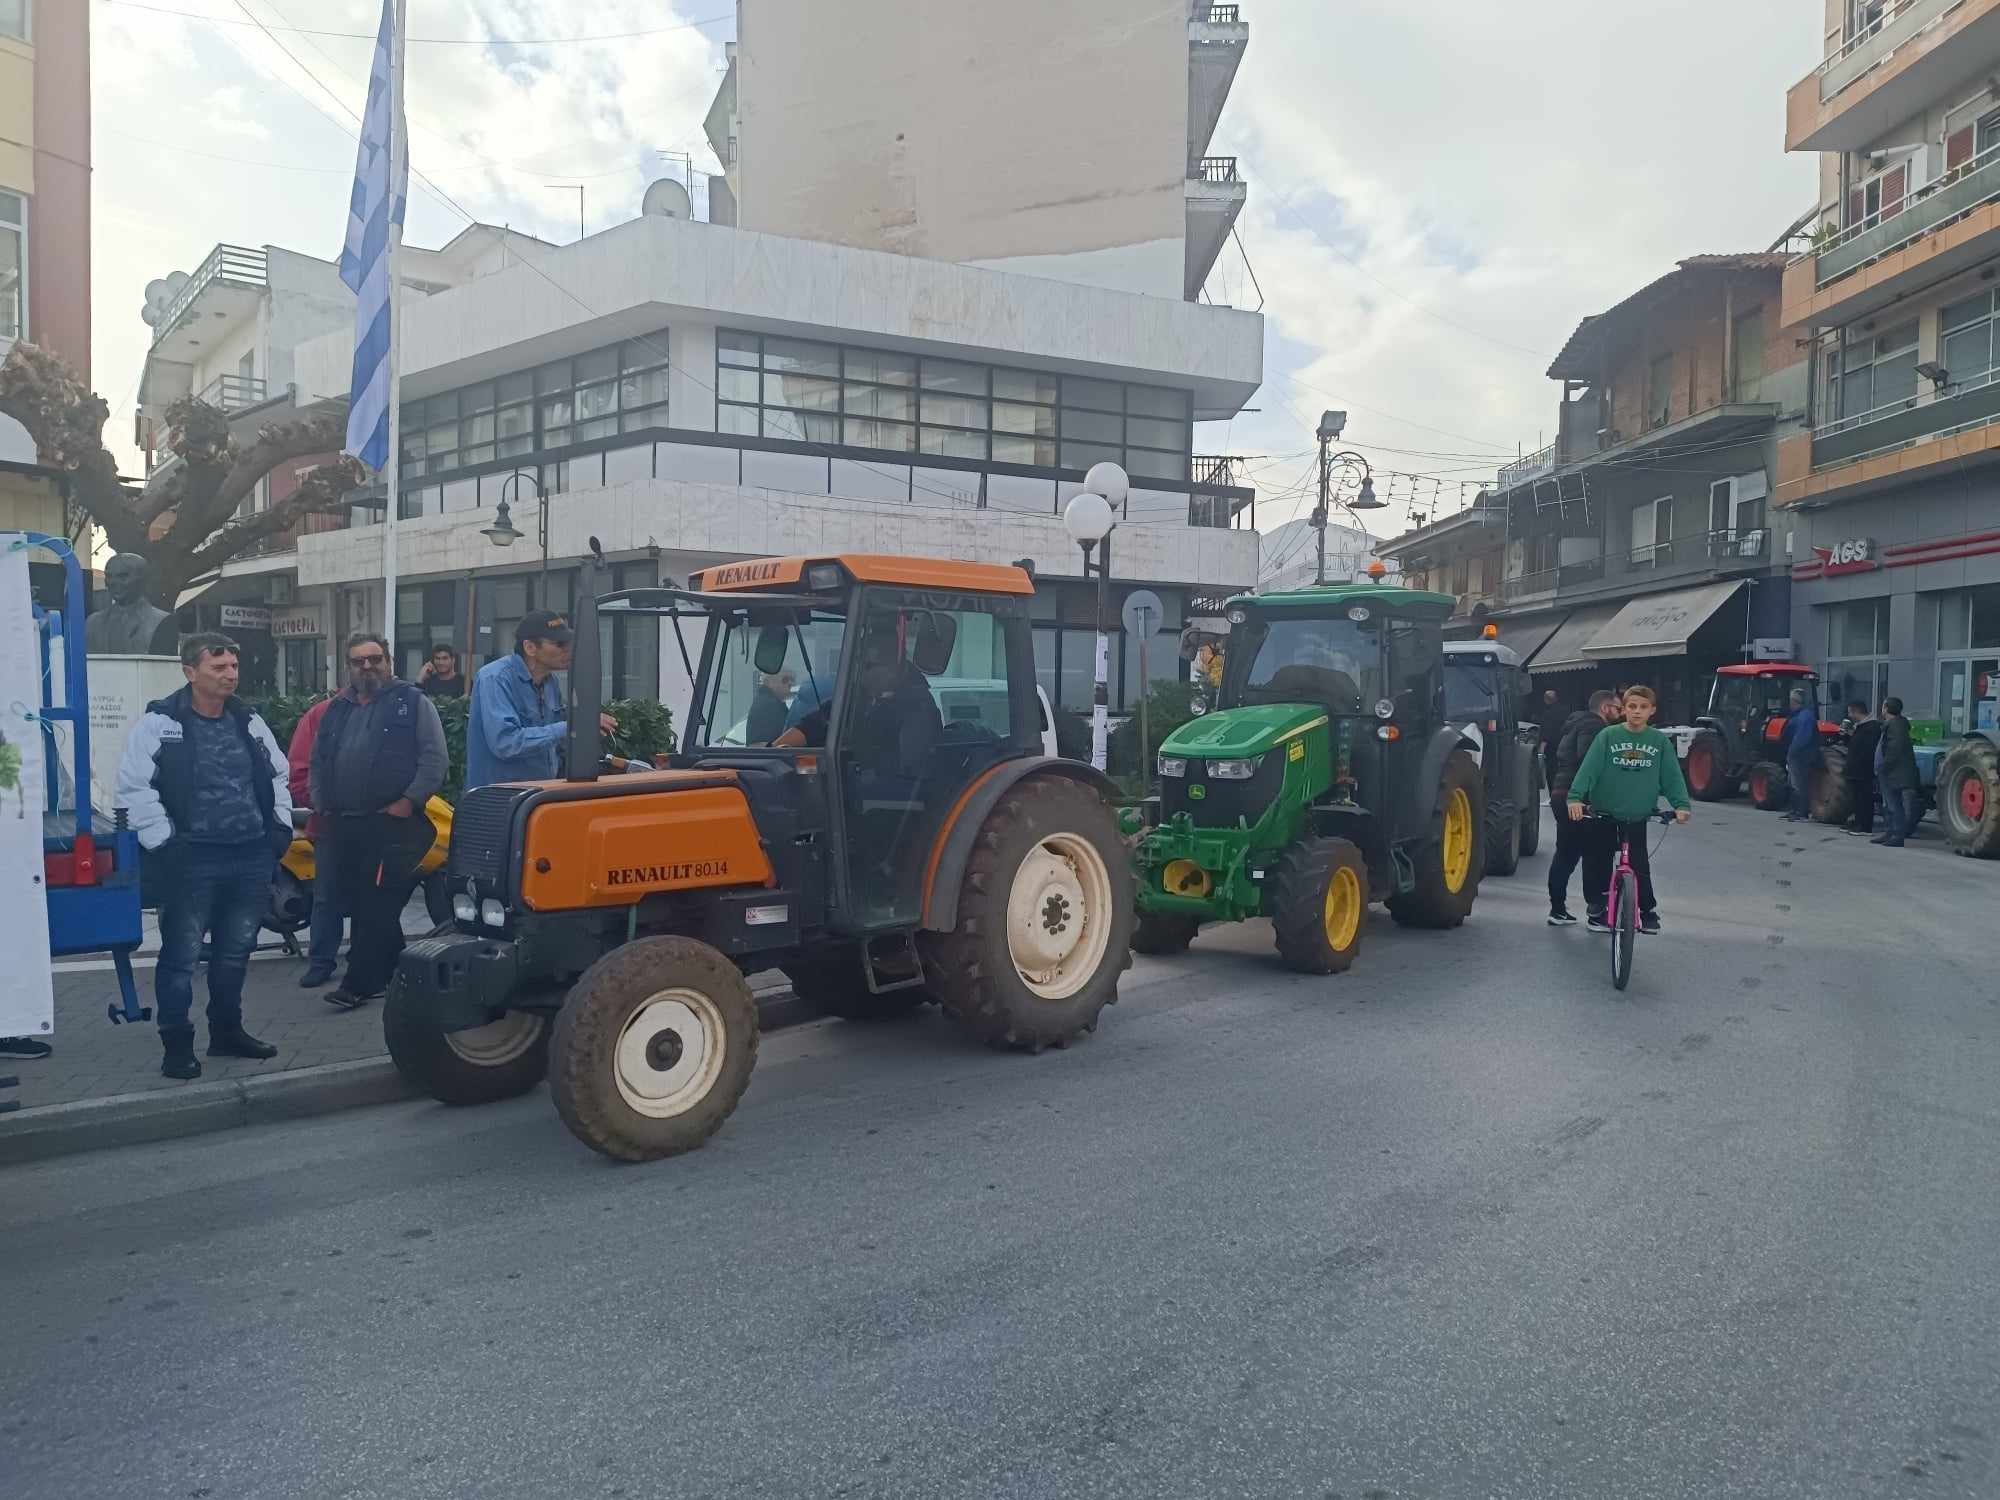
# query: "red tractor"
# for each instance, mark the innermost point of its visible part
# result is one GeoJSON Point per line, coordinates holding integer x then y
{"type": "Point", "coordinates": [1738, 738]}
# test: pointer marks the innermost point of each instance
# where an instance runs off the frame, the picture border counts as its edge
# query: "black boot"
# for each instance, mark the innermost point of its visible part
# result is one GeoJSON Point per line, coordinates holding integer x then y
{"type": "Point", "coordinates": [179, 1062]}
{"type": "Point", "coordinates": [234, 1041]}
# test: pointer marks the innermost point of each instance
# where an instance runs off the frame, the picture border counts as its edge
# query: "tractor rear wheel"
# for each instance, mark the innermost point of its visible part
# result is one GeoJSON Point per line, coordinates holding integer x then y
{"type": "Point", "coordinates": [1450, 859]}
{"type": "Point", "coordinates": [1707, 768]}
{"type": "Point", "coordinates": [1968, 798]}
{"type": "Point", "coordinates": [653, 1048]}
{"type": "Point", "coordinates": [1503, 847]}
{"type": "Point", "coordinates": [1832, 800]}
{"type": "Point", "coordinates": [832, 982]}
{"type": "Point", "coordinates": [1770, 788]}
{"type": "Point", "coordinates": [1317, 896]}
{"type": "Point", "coordinates": [499, 1060]}
{"type": "Point", "coordinates": [1531, 820]}
{"type": "Point", "coordinates": [1045, 918]}
{"type": "Point", "coordinates": [1163, 933]}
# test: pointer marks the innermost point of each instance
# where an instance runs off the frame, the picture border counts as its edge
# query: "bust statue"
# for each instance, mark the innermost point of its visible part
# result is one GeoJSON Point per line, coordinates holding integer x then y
{"type": "Point", "coordinates": [131, 624]}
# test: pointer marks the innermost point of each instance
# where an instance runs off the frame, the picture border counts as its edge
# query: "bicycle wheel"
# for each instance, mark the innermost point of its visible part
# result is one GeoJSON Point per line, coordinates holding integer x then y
{"type": "Point", "coordinates": [1624, 927]}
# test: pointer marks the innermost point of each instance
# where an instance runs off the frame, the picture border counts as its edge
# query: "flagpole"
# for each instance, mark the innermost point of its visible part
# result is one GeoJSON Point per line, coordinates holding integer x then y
{"type": "Point", "coordinates": [399, 147]}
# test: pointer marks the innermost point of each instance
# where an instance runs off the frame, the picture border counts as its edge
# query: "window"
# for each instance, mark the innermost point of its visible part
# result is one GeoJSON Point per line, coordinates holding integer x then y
{"type": "Point", "coordinates": [1659, 390]}
{"type": "Point", "coordinates": [1857, 651]}
{"type": "Point", "coordinates": [1965, 345]}
{"type": "Point", "coordinates": [1653, 533]}
{"type": "Point", "coordinates": [1746, 355]}
{"type": "Point", "coordinates": [1871, 375]}
{"type": "Point", "coordinates": [13, 257]}
{"type": "Point", "coordinates": [14, 18]}
{"type": "Point", "coordinates": [1880, 197]}
{"type": "Point", "coordinates": [1969, 619]}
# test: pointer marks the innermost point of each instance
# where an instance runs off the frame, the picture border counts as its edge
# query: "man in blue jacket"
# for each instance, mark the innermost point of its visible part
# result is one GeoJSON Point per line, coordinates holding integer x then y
{"type": "Point", "coordinates": [517, 724]}
{"type": "Point", "coordinates": [1802, 754]}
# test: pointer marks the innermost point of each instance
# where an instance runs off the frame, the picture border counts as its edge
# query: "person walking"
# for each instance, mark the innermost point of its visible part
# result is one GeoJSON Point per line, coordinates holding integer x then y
{"type": "Point", "coordinates": [329, 917]}
{"type": "Point", "coordinates": [440, 677]}
{"type": "Point", "coordinates": [379, 757]}
{"type": "Point", "coordinates": [1864, 732]}
{"type": "Point", "coordinates": [206, 788]}
{"type": "Point", "coordinates": [1802, 754]}
{"type": "Point", "coordinates": [1896, 774]}
{"type": "Point", "coordinates": [1549, 721]}
{"type": "Point", "coordinates": [518, 724]}
{"type": "Point", "coordinates": [1579, 731]}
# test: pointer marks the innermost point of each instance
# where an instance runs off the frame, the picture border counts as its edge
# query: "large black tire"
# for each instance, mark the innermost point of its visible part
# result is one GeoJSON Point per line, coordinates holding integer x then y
{"type": "Point", "coordinates": [1531, 814]}
{"type": "Point", "coordinates": [1317, 895]}
{"type": "Point", "coordinates": [653, 1048]}
{"type": "Point", "coordinates": [497, 1061]}
{"type": "Point", "coordinates": [832, 982]}
{"type": "Point", "coordinates": [1707, 768]}
{"type": "Point", "coordinates": [1435, 901]}
{"type": "Point", "coordinates": [1968, 798]}
{"type": "Point", "coordinates": [1057, 839]}
{"type": "Point", "coordinates": [1832, 798]}
{"type": "Point", "coordinates": [1770, 787]}
{"type": "Point", "coordinates": [1162, 934]}
{"type": "Point", "coordinates": [1503, 847]}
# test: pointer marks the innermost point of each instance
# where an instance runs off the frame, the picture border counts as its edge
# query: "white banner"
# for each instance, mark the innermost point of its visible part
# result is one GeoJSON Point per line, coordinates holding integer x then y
{"type": "Point", "coordinates": [27, 999]}
{"type": "Point", "coordinates": [245, 617]}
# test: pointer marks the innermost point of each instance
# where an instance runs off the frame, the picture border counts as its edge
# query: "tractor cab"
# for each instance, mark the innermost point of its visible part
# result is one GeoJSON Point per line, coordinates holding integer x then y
{"type": "Point", "coordinates": [1736, 741]}
{"type": "Point", "coordinates": [1756, 693]}
{"type": "Point", "coordinates": [1485, 689]}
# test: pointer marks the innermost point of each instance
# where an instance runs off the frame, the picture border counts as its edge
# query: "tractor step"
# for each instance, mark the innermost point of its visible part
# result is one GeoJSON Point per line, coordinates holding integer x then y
{"type": "Point", "coordinates": [901, 959]}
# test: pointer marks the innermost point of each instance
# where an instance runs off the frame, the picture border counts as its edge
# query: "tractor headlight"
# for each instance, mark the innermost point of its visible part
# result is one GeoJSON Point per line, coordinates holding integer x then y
{"type": "Point", "coordinates": [1173, 765]}
{"type": "Point", "coordinates": [464, 908]}
{"type": "Point", "coordinates": [1232, 770]}
{"type": "Point", "coordinates": [492, 913]}
{"type": "Point", "coordinates": [1385, 708]}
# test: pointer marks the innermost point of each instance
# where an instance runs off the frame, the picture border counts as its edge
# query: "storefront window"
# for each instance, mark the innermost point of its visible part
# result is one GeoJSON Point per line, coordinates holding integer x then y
{"type": "Point", "coordinates": [1857, 651]}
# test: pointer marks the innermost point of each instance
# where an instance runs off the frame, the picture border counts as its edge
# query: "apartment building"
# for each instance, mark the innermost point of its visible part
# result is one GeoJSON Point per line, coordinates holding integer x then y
{"type": "Point", "coordinates": [1894, 492]}
{"type": "Point", "coordinates": [1638, 545]}
{"type": "Point", "coordinates": [1463, 555]}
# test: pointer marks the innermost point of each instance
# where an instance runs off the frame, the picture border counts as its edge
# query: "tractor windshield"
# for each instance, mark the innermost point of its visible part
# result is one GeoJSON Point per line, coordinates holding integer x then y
{"type": "Point", "coordinates": [1473, 689]}
{"type": "Point", "coordinates": [771, 668]}
{"type": "Point", "coordinates": [1286, 659]}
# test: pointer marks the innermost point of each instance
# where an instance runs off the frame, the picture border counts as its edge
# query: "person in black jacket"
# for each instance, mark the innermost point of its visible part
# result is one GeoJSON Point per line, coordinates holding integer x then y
{"type": "Point", "coordinates": [1896, 774]}
{"type": "Point", "coordinates": [1864, 731]}
{"type": "Point", "coordinates": [1571, 745]}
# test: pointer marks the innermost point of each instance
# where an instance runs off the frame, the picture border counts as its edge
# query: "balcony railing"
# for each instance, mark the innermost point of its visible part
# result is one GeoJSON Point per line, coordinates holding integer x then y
{"type": "Point", "coordinates": [1573, 575]}
{"type": "Point", "coordinates": [1729, 546]}
{"type": "Point", "coordinates": [1927, 210]}
{"type": "Point", "coordinates": [1529, 585]}
{"type": "Point", "coordinates": [231, 263]}
{"type": "Point", "coordinates": [1224, 15]}
{"type": "Point", "coordinates": [1534, 466]}
{"type": "Point", "coordinates": [1972, 402]}
{"type": "Point", "coordinates": [233, 392]}
{"type": "Point", "coordinates": [1873, 44]}
{"type": "Point", "coordinates": [1216, 169]}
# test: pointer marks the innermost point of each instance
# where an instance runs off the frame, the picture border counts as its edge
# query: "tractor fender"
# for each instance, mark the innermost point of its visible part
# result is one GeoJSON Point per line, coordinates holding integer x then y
{"type": "Point", "coordinates": [952, 847]}
{"type": "Point", "coordinates": [1422, 797]}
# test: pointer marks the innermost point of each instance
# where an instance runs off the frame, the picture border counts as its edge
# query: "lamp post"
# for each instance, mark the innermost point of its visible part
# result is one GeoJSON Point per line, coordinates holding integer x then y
{"type": "Point", "coordinates": [1090, 518]}
{"type": "Point", "coordinates": [1331, 425]}
{"type": "Point", "coordinates": [503, 532]}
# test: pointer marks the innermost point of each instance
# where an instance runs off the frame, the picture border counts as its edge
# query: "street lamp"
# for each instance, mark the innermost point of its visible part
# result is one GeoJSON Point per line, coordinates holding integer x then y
{"type": "Point", "coordinates": [503, 532]}
{"type": "Point", "coordinates": [1331, 425]}
{"type": "Point", "coordinates": [1090, 519]}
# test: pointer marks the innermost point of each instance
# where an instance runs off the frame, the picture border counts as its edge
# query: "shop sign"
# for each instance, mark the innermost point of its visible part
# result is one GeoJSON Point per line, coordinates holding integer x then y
{"type": "Point", "coordinates": [245, 617]}
{"type": "Point", "coordinates": [298, 623]}
{"type": "Point", "coordinates": [1771, 648]}
{"type": "Point", "coordinates": [1855, 555]}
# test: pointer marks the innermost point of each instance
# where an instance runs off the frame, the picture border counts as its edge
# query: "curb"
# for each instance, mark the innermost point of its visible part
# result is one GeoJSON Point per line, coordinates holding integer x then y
{"type": "Point", "coordinates": [53, 1130]}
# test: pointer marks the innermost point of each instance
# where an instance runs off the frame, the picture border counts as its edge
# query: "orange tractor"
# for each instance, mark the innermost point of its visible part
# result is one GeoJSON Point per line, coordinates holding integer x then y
{"type": "Point", "coordinates": [860, 797]}
{"type": "Point", "coordinates": [1735, 744]}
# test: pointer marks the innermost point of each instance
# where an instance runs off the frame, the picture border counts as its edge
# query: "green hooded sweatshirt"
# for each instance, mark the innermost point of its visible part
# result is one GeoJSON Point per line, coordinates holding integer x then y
{"type": "Point", "coordinates": [1626, 773]}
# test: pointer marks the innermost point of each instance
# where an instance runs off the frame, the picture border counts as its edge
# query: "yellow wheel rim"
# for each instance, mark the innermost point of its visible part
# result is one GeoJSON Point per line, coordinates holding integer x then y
{"type": "Point", "coordinates": [1457, 839]}
{"type": "Point", "coordinates": [1343, 909]}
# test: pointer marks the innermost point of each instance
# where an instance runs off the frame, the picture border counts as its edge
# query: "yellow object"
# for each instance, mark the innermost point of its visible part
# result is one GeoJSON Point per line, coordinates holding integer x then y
{"type": "Point", "coordinates": [1184, 877]}
{"type": "Point", "coordinates": [1491, 632]}
{"type": "Point", "coordinates": [1344, 905]}
{"type": "Point", "coordinates": [299, 858]}
{"type": "Point", "coordinates": [1457, 840]}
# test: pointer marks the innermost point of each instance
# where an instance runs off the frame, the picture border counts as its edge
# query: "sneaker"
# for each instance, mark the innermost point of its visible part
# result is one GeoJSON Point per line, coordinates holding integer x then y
{"type": "Point", "coordinates": [1597, 922]}
{"type": "Point", "coordinates": [1649, 923]}
{"type": "Point", "coordinates": [315, 976]}
{"type": "Point", "coordinates": [1559, 917]}
{"type": "Point", "coordinates": [342, 998]}
{"type": "Point", "coordinates": [1857, 833]}
{"type": "Point", "coordinates": [24, 1046]}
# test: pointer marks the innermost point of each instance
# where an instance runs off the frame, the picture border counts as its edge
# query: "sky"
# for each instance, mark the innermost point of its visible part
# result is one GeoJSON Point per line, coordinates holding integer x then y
{"type": "Point", "coordinates": [1439, 189]}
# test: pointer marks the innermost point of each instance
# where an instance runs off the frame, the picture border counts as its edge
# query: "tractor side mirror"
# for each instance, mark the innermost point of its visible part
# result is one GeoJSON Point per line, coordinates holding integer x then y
{"type": "Point", "coordinates": [935, 636]}
{"type": "Point", "coordinates": [772, 642]}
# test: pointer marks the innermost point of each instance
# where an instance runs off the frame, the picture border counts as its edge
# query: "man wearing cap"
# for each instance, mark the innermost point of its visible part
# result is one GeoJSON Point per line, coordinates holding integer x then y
{"type": "Point", "coordinates": [517, 724]}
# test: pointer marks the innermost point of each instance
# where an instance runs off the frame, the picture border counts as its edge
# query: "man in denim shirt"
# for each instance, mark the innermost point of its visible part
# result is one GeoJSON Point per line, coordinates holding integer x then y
{"type": "Point", "coordinates": [517, 724]}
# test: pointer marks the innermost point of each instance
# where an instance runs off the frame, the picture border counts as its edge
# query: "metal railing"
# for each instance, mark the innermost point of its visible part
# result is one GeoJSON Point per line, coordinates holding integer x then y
{"type": "Point", "coordinates": [1217, 169]}
{"type": "Point", "coordinates": [1972, 184]}
{"type": "Point", "coordinates": [1528, 585]}
{"type": "Point", "coordinates": [1727, 545]}
{"type": "Point", "coordinates": [1911, 402]}
{"type": "Point", "coordinates": [1224, 15]}
{"type": "Point", "coordinates": [233, 392]}
{"type": "Point", "coordinates": [231, 263]}
{"type": "Point", "coordinates": [1532, 466]}
{"type": "Point", "coordinates": [1892, 12]}
{"type": "Point", "coordinates": [1218, 468]}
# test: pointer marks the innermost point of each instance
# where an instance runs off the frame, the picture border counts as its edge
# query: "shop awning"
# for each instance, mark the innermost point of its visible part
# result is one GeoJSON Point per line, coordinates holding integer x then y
{"type": "Point", "coordinates": [1527, 634]}
{"type": "Point", "coordinates": [1660, 624]}
{"type": "Point", "coordinates": [1564, 651]}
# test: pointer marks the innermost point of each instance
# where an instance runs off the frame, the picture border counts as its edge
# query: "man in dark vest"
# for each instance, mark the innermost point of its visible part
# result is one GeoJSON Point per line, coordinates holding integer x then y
{"type": "Point", "coordinates": [379, 758]}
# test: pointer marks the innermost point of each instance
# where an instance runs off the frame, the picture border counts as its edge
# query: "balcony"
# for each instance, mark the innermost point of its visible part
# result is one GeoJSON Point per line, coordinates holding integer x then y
{"type": "Point", "coordinates": [229, 283]}
{"type": "Point", "coordinates": [1215, 196]}
{"type": "Point", "coordinates": [1898, 443]}
{"type": "Point", "coordinates": [231, 393]}
{"type": "Point", "coordinates": [1526, 586]}
{"type": "Point", "coordinates": [1536, 465]}
{"type": "Point", "coordinates": [1951, 201]}
{"type": "Point", "coordinates": [1704, 552]}
{"type": "Point", "coordinates": [1217, 38]}
{"type": "Point", "coordinates": [1914, 54]}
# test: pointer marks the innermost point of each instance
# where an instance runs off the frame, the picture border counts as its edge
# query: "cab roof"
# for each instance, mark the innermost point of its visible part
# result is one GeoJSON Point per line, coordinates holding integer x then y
{"type": "Point", "coordinates": [788, 573]}
{"type": "Point", "coordinates": [1506, 655]}
{"type": "Point", "coordinates": [1337, 595]}
{"type": "Point", "coordinates": [1766, 669]}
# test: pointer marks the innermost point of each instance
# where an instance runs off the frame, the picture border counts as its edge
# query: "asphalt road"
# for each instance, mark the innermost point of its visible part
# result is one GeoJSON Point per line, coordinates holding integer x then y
{"type": "Point", "coordinates": [1461, 1223]}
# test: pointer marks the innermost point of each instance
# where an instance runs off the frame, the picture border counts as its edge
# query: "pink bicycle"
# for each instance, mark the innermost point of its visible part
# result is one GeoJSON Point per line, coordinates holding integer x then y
{"type": "Point", "coordinates": [1621, 909]}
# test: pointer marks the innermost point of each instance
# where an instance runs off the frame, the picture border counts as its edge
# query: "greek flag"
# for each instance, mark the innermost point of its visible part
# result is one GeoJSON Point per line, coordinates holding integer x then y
{"type": "Point", "coordinates": [364, 260]}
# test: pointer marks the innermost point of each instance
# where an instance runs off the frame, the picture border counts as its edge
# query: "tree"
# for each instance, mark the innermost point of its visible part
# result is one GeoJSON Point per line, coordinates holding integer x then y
{"type": "Point", "coordinates": [184, 517]}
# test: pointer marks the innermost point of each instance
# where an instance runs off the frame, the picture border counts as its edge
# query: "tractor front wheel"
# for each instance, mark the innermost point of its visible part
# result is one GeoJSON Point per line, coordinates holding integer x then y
{"type": "Point", "coordinates": [1770, 787]}
{"type": "Point", "coordinates": [1832, 799]}
{"type": "Point", "coordinates": [1968, 798]}
{"type": "Point", "coordinates": [1317, 895]}
{"type": "Point", "coordinates": [653, 1048]}
{"type": "Point", "coordinates": [1163, 933]}
{"type": "Point", "coordinates": [1707, 768]}
{"type": "Point", "coordinates": [1449, 861]}
{"type": "Point", "coordinates": [505, 1057]}
{"type": "Point", "coordinates": [1045, 917]}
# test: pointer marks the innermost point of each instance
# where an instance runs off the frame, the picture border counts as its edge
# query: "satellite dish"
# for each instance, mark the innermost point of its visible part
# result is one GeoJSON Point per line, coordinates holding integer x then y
{"type": "Point", "coordinates": [667, 199]}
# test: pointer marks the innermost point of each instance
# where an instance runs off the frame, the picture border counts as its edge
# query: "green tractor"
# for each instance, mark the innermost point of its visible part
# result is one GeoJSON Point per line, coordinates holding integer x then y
{"type": "Point", "coordinates": [1326, 778]}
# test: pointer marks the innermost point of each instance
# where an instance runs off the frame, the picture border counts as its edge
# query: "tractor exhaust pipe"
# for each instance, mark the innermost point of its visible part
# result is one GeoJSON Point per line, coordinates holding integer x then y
{"type": "Point", "coordinates": [586, 691]}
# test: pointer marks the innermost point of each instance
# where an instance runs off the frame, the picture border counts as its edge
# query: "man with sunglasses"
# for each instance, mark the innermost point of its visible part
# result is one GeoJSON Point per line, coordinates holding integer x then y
{"type": "Point", "coordinates": [380, 756]}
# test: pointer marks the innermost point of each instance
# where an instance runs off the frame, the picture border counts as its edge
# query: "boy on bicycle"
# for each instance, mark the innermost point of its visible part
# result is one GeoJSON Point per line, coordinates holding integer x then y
{"type": "Point", "coordinates": [1628, 769]}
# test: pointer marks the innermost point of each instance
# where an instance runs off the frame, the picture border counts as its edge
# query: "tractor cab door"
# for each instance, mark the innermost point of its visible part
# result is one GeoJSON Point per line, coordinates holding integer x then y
{"type": "Point", "coordinates": [1414, 681]}
{"type": "Point", "coordinates": [942, 688]}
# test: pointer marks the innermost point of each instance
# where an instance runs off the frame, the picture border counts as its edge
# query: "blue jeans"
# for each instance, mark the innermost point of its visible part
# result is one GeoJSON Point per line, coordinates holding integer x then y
{"type": "Point", "coordinates": [221, 890]}
{"type": "Point", "coordinates": [329, 916]}
{"type": "Point", "coordinates": [1799, 774]}
{"type": "Point", "coordinates": [1904, 809]}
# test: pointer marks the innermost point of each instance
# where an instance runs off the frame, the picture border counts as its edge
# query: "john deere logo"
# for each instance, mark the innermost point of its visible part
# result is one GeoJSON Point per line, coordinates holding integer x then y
{"type": "Point", "coordinates": [1196, 793]}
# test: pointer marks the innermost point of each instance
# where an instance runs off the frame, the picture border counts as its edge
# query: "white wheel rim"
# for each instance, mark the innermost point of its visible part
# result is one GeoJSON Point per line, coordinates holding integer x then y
{"type": "Point", "coordinates": [1059, 916]}
{"type": "Point", "coordinates": [497, 1043]}
{"type": "Point", "coordinates": [670, 1053]}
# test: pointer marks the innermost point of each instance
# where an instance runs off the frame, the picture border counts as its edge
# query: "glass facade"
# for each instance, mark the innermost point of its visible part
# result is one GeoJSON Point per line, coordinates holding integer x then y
{"type": "Point", "coordinates": [1857, 653]}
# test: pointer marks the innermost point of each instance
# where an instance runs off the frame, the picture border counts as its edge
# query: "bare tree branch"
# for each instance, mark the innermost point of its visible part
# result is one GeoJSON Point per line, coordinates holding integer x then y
{"type": "Point", "coordinates": [323, 491]}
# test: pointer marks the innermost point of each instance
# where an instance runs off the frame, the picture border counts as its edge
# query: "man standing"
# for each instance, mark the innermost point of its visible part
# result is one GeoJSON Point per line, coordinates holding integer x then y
{"type": "Point", "coordinates": [205, 785]}
{"type": "Point", "coordinates": [329, 917]}
{"type": "Point", "coordinates": [1802, 756]}
{"type": "Point", "coordinates": [518, 725]}
{"type": "Point", "coordinates": [1549, 720]}
{"type": "Point", "coordinates": [1896, 774]}
{"type": "Point", "coordinates": [1571, 744]}
{"type": "Point", "coordinates": [380, 756]}
{"type": "Point", "coordinates": [1864, 732]}
{"type": "Point", "coordinates": [440, 677]}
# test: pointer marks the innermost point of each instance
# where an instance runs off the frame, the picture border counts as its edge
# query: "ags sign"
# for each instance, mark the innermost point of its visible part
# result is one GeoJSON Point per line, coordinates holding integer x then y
{"type": "Point", "coordinates": [1855, 555]}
